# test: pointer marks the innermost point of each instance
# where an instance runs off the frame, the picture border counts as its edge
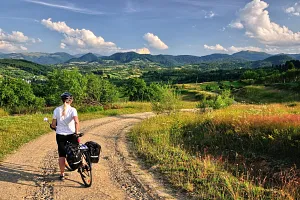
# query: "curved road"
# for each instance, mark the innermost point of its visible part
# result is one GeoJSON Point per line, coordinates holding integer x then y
{"type": "Point", "coordinates": [32, 172]}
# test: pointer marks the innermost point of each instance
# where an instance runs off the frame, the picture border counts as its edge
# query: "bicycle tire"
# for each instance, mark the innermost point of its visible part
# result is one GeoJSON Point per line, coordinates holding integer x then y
{"type": "Point", "coordinates": [85, 170]}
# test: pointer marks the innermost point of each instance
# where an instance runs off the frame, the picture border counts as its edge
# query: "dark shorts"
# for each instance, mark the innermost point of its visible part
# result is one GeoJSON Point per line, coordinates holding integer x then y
{"type": "Point", "coordinates": [62, 141]}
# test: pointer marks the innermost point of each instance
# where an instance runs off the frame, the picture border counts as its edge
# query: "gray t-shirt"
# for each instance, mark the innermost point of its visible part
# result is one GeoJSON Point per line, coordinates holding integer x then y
{"type": "Point", "coordinates": [65, 124]}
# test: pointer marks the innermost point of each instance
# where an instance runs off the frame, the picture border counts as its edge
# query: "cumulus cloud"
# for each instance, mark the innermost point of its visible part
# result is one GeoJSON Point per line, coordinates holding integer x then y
{"type": "Point", "coordinates": [82, 40]}
{"type": "Point", "coordinates": [143, 51]}
{"type": "Point", "coordinates": [231, 49]}
{"type": "Point", "coordinates": [255, 19]}
{"type": "Point", "coordinates": [294, 10]}
{"type": "Point", "coordinates": [287, 50]}
{"type": "Point", "coordinates": [234, 49]}
{"type": "Point", "coordinates": [217, 47]}
{"type": "Point", "coordinates": [155, 42]}
{"type": "Point", "coordinates": [14, 42]}
{"type": "Point", "coordinates": [79, 39]}
{"type": "Point", "coordinates": [15, 37]}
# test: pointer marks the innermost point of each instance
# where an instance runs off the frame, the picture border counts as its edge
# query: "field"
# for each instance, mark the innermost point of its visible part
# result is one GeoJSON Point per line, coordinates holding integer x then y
{"type": "Point", "coordinates": [243, 151]}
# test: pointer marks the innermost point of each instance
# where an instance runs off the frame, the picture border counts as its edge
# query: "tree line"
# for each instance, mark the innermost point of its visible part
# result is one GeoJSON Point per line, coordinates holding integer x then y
{"type": "Point", "coordinates": [21, 96]}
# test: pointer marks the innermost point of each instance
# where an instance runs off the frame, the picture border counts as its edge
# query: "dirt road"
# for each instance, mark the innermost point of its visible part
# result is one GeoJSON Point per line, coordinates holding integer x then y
{"type": "Point", "coordinates": [32, 172]}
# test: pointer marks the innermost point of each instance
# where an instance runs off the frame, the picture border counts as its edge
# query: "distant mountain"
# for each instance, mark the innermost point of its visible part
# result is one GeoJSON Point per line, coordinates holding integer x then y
{"type": "Point", "coordinates": [82, 54]}
{"type": "Point", "coordinates": [272, 60]}
{"type": "Point", "coordinates": [258, 59]}
{"type": "Point", "coordinates": [169, 60]}
{"type": "Point", "coordinates": [85, 58]}
{"type": "Point", "coordinates": [40, 58]}
{"type": "Point", "coordinates": [251, 55]}
{"type": "Point", "coordinates": [295, 56]}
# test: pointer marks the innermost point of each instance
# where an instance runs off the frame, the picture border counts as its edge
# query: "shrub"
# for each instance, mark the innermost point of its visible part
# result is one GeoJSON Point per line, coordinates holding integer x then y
{"type": "Point", "coordinates": [220, 101]}
{"type": "Point", "coordinates": [167, 102]}
{"type": "Point", "coordinates": [16, 96]}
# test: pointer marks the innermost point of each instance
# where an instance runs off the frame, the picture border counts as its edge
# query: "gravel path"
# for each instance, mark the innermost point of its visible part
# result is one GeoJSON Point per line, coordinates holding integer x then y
{"type": "Point", "coordinates": [32, 172]}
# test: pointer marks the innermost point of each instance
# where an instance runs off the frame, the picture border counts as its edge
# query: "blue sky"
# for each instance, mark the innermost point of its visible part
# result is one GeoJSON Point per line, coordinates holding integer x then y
{"type": "Point", "coordinates": [176, 27]}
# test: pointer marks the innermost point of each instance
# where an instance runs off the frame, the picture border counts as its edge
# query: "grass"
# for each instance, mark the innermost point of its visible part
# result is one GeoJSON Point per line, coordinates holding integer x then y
{"type": "Point", "coordinates": [244, 151]}
{"type": "Point", "coordinates": [18, 130]}
{"type": "Point", "coordinates": [262, 94]}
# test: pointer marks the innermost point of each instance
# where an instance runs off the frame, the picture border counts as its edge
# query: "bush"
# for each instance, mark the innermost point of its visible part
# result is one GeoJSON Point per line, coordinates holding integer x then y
{"type": "Point", "coordinates": [167, 102]}
{"type": "Point", "coordinates": [16, 96]}
{"type": "Point", "coordinates": [220, 101]}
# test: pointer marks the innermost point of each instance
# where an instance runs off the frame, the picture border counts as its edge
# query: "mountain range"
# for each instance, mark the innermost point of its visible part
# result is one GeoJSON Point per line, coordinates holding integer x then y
{"type": "Point", "coordinates": [258, 58]}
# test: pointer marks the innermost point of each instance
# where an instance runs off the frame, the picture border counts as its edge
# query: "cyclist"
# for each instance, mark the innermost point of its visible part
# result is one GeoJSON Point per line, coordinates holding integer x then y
{"type": "Point", "coordinates": [65, 121]}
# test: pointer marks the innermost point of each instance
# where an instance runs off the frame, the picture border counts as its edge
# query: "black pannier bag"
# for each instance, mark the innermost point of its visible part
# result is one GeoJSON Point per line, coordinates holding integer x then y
{"type": "Point", "coordinates": [73, 156]}
{"type": "Point", "coordinates": [94, 149]}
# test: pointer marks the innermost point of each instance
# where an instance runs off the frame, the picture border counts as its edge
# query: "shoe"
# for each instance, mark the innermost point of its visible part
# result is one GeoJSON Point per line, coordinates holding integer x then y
{"type": "Point", "coordinates": [61, 177]}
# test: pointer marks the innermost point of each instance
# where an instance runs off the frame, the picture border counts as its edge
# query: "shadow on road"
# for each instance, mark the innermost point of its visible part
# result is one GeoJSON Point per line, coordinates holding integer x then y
{"type": "Point", "coordinates": [20, 174]}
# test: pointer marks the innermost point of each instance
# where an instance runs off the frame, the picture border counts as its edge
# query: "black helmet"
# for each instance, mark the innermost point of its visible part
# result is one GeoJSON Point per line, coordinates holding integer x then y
{"type": "Point", "coordinates": [66, 96]}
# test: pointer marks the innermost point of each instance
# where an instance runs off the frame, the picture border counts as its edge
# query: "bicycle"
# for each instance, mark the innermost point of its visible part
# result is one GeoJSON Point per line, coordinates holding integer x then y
{"type": "Point", "coordinates": [85, 167]}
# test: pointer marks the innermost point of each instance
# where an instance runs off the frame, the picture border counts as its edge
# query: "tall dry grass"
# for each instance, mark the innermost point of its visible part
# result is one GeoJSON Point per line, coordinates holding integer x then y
{"type": "Point", "coordinates": [244, 151]}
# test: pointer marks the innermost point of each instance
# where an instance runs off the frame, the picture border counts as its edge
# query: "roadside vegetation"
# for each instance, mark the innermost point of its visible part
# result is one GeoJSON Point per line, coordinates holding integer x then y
{"type": "Point", "coordinates": [242, 151]}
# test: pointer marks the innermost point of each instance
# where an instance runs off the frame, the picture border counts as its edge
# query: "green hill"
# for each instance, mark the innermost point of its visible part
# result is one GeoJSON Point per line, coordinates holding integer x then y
{"type": "Point", "coordinates": [22, 69]}
{"type": "Point", "coordinates": [40, 58]}
{"type": "Point", "coordinates": [251, 55]}
{"type": "Point", "coordinates": [85, 58]}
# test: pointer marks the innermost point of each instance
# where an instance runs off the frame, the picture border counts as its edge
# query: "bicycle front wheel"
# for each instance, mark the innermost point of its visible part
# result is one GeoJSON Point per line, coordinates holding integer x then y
{"type": "Point", "coordinates": [85, 170]}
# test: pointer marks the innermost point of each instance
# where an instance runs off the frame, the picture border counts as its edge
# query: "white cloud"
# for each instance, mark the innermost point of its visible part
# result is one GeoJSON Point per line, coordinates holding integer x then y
{"type": "Point", "coordinates": [63, 45]}
{"type": "Point", "coordinates": [218, 47]}
{"type": "Point", "coordinates": [82, 40]}
{"type": "Point", "coordinates": [237, 25]}
{"type": "Point", "coordinates": [66, 7]}
{"type": "Point", "coordinates": [277, 50]}
{"type": "Point", "coordinates": [249, 48]}
{"type": "Point", "coordinates": [155, 42]}
{"type": "Point", "coordinates": [209, 15]}
{"type": "Point", "coordinates": [15, 37]}
{"type": "Point", "coordinates": [14, 42]}
{"type": "Point", "coordinates": [231, 49]}
{"type": "Point", "coordinates": [294, 10]}
{"type": "Point", "coordinates": [143, 51]}
{"type": "Point", "coordinates": [257, 23]}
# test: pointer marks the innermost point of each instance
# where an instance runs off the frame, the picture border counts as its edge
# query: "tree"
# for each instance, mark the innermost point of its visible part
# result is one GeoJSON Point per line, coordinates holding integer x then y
{"type": "Point", "coordinates": [135, 89]}
{"type": "Point", "coordinates": [101, 90]}
{"type": "Point", "coordinates": [60, 81]}
{"type": "Point", "coordinates": [16, 96]}
{"type": "Point", "coordinates": [249, 74]}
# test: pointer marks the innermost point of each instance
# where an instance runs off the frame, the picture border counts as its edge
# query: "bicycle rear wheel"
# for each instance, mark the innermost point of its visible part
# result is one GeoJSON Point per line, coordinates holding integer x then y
{"type": "Point", "coordinates": [85, 170]}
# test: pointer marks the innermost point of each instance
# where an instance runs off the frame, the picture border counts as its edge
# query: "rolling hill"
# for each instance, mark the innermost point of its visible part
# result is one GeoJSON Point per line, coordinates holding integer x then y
{"type": "Point", "coordinates": [251, 55]}
{"type": "Point", "coordinates": [89, 57]}
{"type": "Point", "coordinates": [258, 59]}
{"type": "Point", "coordinates": [40, 58]}
{"type": "Point", "coordinates": [272, 60]}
